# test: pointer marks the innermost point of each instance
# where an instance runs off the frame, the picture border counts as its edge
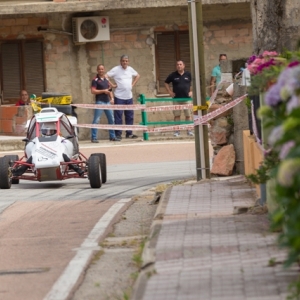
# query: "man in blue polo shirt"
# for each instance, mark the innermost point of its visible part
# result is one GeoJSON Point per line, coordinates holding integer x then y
{"type": "Point", "coordinates": [216, 74]}
{"type": "Point", "coordinates": [181, 82]}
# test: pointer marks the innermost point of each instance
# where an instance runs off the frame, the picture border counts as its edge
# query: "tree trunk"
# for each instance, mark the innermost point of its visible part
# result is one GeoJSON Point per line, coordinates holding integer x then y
{"type": "Point", "coordinates": [269, 32]}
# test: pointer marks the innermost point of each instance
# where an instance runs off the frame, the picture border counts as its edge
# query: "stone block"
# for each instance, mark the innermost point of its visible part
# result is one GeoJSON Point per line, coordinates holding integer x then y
{"type": "Point", "coordinates": [217, 106]}
{"type": "Point", "coordinates": [224, 161]}
{"type": "Point", "coordinates": [226, 66]}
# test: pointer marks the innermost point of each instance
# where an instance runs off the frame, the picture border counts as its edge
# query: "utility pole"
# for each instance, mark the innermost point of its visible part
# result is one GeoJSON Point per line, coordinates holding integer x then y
{"type": "Point", "coordinates": [198, 82]}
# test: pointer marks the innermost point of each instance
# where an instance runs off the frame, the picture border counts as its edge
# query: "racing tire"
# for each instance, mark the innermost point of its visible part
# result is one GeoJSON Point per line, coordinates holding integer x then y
{"type": "Point", "coordinates": [5, 180]}
{"type": "Point", "coordinates": [66, 109]}
{"type": "Point", "coordinates": [102, 158]}
{"type": "Point", "coordinates": [12, 159]}
{"type": "Point", "coordinates": [94, 172]}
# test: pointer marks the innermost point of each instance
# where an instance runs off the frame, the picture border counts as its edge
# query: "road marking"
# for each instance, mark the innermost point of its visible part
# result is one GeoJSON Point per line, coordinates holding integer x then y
{"type": "Point", "coordinates": [66, 282]}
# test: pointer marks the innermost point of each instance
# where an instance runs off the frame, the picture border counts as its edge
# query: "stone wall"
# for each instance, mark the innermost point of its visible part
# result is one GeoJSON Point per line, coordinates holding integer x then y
{"type": "Point", "coordinates": [13, 119]}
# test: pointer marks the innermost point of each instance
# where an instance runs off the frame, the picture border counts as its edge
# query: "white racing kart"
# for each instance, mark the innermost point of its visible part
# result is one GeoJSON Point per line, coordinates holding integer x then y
{"type": "Point", "coordinates": [52, 153]}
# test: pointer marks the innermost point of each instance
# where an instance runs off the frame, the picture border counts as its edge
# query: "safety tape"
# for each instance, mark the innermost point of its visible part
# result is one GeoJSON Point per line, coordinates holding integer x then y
{"type": "Point", "coordinates": [135, 107]}
{"type": "Point", "coordinates": [114, 127]}
{"type": "Point", "coordinates": [200, 107]}
{"type": "Point", "coordinates": [219, 111]}
{"type": "Point", "coordinates": [197, 121]}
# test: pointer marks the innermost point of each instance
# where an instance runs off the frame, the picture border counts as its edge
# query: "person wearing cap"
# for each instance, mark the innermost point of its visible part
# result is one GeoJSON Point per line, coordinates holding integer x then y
{"type": "Point", "coordinates": [125, 78]}
{"type": "Point", "coordinates": [24, 99]}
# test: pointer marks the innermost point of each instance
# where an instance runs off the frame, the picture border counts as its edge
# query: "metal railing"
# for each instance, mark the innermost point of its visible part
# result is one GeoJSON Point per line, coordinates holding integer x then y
{"type": "Point", "coordinates": [143, 100]}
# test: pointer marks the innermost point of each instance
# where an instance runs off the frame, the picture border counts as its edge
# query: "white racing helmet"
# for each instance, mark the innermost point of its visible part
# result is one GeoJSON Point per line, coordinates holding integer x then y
{"type": "Point", "coordinates": [48, 129]}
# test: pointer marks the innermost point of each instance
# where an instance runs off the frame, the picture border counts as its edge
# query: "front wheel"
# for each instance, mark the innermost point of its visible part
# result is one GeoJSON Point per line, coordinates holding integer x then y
{"type": "Point", "coordinates": [12, 159]}
{"type": "Point", "coordinates": [5, 180]}
{"type": "Point", "coordinates": [94, 172]}
{"type": "Point", "coordinates": [102, 158]}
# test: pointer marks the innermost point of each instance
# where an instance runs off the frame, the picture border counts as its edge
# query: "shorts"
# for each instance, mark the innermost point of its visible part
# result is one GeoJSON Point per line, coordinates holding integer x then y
{"type": "Point", "coordinates": [177, 113]}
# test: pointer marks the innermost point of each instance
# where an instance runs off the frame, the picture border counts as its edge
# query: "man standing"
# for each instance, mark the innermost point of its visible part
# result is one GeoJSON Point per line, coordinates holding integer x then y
{"type": "Point", "coordinates": [216, 74]}
{"type": "Point", "coordinates": [181, 82]}
{"type": "Point", "coordinates": [24, 100]}
{"type": "Point", "coordinates": [126, 78]}
{"type": "Point", "coordinates": [102, 89]}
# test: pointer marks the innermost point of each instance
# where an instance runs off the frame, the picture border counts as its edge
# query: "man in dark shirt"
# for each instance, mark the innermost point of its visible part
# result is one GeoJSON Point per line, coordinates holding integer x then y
{"type": "Point", "coordinates": [181, 83]}
{"type": "Point", "coordinates": [101, 87]}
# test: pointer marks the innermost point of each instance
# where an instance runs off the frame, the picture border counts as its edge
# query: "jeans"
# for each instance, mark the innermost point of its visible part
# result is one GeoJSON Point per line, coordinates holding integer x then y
{"type": "Point", "coordinates": [110, 119]}
{"type": "Point", "coordinates": [119, 115]}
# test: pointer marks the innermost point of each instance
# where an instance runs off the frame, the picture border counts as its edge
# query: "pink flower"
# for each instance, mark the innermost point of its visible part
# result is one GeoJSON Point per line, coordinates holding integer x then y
{"type": "Point", "coordinates": [269, 54]}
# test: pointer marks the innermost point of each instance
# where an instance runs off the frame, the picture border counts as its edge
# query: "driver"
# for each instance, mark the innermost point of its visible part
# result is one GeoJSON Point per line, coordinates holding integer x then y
{"type": "Point", "coordinates": [48, 129]}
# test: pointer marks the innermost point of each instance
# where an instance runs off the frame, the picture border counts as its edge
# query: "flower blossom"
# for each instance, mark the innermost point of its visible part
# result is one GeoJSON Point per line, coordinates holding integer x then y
{"type": "Point", "coordinates": [286, 148]}
{"type": "Point", "coordinates": [287, 171]}
{"type": "Point", "coordinates": [269, 53]}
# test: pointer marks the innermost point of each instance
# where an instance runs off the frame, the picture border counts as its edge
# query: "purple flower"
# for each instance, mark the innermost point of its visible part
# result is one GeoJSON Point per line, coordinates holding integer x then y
{"type": "Point", "coordinates": [251, 59]}
{"type": "Point", "coordinates": [267, 64]}
{"type": "Point", "coordinates": [293, 64]}
{"type": "Point", "coordinates": [272, 97]}
{"type": "Point", "coordinates": [293, 103]}
{"type": "Point", "coordinates": [285, 149]}
{"type": "Point", "coordinates": [275, 135]}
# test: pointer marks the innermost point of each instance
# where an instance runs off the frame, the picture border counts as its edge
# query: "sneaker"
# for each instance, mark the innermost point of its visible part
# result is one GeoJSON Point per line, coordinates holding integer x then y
{"type": "Point", "coordinates": [131, 136]}
{"type": "Point", "coordinates": [176, 133]}
{"type": "Point", "coordinates": [94, 141]}
{"type": "Point", "coordinates": [190, 133]}
{"type": "Point", "coordinates": [119, 137]}
{"type": "Point", "coordinates": [115, 139]}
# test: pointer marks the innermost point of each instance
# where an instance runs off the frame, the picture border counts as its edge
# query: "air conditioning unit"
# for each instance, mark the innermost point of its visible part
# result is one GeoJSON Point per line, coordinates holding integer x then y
{"type": "Point", "coordinates": [90, 29]}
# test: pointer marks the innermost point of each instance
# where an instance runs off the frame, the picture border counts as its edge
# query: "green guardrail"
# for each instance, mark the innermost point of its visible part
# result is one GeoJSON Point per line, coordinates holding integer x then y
{"type": "Point", "coordinates": [143, 100]}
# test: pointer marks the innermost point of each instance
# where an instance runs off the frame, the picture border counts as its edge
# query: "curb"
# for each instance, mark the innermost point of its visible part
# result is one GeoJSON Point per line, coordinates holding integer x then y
{"type": "Point", "coordinates": [148, 255]}
{"type": "Point", "coordinates": [13, 144]}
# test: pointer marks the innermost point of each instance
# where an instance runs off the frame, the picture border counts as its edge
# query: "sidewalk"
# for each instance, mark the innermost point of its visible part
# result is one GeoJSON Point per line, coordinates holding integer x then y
{"type": "Point", "coordinates": [201, 248]}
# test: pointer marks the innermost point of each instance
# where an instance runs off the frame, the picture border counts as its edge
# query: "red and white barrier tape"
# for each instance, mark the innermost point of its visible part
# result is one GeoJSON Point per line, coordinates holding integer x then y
{"type": "Point", "coordinates": [219, 111]}
{"type": "Point", "coordinates": [136, 107]}
{"type": "Point", "coordinates": [198, 121]}
{"type": "Point", "coordinates": [114, 127]}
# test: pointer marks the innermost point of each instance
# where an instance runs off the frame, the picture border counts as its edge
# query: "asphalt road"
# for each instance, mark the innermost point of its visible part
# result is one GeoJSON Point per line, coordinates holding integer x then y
{"type": "Point", "coordinates": [43, 225]}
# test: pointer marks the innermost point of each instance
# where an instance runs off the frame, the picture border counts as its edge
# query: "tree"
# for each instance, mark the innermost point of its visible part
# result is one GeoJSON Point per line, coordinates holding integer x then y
{"type": "Point", "coordinates": [275, 24]}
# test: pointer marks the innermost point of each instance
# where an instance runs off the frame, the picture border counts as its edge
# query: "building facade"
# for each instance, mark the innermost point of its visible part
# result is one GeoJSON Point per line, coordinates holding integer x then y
{"type": "Point", "coordinates": [38, 51]}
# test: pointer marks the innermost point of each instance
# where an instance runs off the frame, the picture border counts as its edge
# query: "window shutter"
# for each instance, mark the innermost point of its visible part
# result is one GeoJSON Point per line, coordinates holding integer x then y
{"type": "Point", "coordinates": [22, 67]}
{"type": "Point", "coordinates": [33, 61]}
{"type": "Point", "coordinates": [11, 71]}
{"type": "Point", "coordinates": [170, 47]}
{"type": "Point", "coordinates": [184, 50]}
{"type": "Point", "coordinates": [166, 57]}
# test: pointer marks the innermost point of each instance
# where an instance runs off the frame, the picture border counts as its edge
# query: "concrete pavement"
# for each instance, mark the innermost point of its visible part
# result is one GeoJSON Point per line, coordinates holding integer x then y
{"type": "Point", "coordinates": [201, 247]}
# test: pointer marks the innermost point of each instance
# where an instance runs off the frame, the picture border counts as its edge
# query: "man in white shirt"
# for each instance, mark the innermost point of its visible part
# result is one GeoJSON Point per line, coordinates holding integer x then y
{"type": "Point", "coordinates": [125, 78]}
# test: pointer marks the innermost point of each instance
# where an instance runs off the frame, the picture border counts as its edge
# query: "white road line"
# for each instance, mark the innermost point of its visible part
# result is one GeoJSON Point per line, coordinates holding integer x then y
{"type": "Point", "coordinates": [66, 282]}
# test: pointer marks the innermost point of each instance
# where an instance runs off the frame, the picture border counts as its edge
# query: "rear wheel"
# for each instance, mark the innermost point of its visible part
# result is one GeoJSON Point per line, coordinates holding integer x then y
{"type": "Point", "coordinates": [5, 180]}
{"type": "Point", "coordinates": [94, 171]}
{"type": "Point", "coordinates": [12, 159]}
{"type": "Point", "coordinates": [102, 158]}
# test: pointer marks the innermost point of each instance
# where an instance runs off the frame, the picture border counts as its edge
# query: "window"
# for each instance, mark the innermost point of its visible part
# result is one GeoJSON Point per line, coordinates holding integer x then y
{"type": "Point", "coordinates": [21, 67]}
{"type": "Point", "coordinates": [170, 46]}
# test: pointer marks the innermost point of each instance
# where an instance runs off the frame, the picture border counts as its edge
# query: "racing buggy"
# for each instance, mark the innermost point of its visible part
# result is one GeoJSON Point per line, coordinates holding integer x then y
{"type": "Point", "coordinates": [52, 153]}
